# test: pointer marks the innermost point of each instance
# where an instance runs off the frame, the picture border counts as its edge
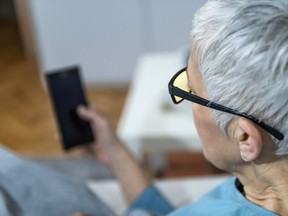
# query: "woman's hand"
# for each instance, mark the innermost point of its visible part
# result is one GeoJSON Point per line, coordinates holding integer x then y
{"type": "Point", "coordinates": [106, 143]}
{"type": "Point", "coordinates": [112, 153]}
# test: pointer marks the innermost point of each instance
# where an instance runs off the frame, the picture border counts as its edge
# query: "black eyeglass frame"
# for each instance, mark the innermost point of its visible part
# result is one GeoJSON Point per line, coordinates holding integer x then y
{"type": "Point", "coordinates": [175, 91]}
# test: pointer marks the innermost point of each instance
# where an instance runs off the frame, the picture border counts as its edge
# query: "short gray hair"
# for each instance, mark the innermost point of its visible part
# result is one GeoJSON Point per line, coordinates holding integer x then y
{"type": "Point", "coordinates": [241, 47]}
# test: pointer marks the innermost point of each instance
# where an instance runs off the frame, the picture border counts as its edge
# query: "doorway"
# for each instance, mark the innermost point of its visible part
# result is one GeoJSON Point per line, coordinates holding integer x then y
{"type": "Point", "coordinates": [10, 41]}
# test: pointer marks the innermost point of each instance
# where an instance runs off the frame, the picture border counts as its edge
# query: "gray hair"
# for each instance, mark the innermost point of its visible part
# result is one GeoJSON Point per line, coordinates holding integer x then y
{"type": "Point", "coordinates": [241, 47]}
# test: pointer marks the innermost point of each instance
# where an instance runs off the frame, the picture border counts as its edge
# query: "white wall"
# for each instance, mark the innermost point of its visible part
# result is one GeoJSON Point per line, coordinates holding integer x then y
{"type": "Point", "coordinates": [106, 37]}
{"type": "Point", "coordinates": [172, 22]}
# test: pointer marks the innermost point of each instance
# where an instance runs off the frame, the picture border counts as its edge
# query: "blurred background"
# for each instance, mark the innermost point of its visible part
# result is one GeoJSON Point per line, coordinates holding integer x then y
{"type": "Point", "coordinates": [106, 38]}
{"type": "Point", "coordinates": [127, 51]}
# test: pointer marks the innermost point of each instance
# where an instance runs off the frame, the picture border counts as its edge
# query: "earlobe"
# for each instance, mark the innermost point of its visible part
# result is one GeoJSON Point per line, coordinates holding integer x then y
{"type": "Point", "coordinates": [249, 140]}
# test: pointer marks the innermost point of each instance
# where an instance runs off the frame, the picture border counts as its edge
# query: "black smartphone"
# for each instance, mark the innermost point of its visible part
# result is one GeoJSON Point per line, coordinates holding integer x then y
{"type": "Point", "coordinates": [67, 93]}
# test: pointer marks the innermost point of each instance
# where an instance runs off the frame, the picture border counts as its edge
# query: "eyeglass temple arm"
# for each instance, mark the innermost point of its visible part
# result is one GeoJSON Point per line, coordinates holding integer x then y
{"type": "Point", "coordinates": [194, 98]}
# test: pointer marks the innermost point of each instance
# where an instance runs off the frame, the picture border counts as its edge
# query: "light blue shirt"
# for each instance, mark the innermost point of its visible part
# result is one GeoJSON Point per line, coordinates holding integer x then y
{"type": "Point", "coordinates": [225, 200]}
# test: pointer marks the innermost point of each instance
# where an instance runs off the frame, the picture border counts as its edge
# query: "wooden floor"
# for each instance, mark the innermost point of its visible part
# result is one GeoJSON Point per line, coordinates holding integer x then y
{"type": "Point", "coordinates": [27, 124]}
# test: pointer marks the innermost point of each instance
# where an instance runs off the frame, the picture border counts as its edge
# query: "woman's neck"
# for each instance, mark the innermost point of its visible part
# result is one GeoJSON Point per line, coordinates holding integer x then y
{"type": "Point", "coordinates": [266, 185]}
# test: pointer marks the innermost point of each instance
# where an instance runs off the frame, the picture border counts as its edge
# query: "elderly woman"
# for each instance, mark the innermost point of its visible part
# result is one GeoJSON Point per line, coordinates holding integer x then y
{"type": "Point", "coordinates": [237, 81]}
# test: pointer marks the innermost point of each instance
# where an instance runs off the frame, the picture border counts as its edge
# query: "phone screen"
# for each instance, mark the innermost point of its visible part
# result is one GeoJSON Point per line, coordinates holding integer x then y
{"type": "Point", "coordinates": [67, 94]}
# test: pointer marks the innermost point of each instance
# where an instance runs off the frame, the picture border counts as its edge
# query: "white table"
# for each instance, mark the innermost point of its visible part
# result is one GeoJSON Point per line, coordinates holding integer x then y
{"type": "Point", "coordinates": [150, 121]}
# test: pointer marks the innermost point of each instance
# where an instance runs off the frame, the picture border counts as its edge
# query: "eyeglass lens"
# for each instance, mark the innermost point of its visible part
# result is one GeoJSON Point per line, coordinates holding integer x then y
{"type": "Point", "coordinates": [181, 81]}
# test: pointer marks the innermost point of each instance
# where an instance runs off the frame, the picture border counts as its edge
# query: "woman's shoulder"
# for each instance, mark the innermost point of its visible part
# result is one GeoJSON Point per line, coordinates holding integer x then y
{"type": "Point", "coordinates": [226, 199]}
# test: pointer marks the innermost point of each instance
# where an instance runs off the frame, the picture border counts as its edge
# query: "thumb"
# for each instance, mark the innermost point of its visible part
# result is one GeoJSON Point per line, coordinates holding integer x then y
{"type": "Point", "coordinates": [85, 112]}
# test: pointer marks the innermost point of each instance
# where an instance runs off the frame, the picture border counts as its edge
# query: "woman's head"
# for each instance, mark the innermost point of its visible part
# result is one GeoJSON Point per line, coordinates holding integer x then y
{"type": "Point", "coordinates": [241, 50]}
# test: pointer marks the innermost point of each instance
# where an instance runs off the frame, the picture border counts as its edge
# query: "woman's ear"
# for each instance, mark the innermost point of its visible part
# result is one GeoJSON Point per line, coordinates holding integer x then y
{"type": "Point", "coordinates": [249, 139]}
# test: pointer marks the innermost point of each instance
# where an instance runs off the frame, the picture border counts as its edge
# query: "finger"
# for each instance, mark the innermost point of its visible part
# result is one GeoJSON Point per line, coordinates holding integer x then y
{"type": "Point", "coordinates": [93, 116]}
{"type": "Point", "coordinates": [85, 150]}
{"type": "Point", "coordinates": [87, 113]}
{"type": "Point", "coordinates": [83, 111]}
{"type": "Point", "coordinates": [57, 137]}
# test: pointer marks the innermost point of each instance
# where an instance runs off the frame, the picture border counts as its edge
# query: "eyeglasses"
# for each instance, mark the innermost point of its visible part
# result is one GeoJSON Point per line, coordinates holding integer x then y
{"type": "Point", "coordinates": [180, 90]}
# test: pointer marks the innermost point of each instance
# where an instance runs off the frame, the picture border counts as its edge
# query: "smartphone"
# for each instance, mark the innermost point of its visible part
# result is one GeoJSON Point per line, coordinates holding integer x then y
{"type": "Point", "coordinates": [67, 93]}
